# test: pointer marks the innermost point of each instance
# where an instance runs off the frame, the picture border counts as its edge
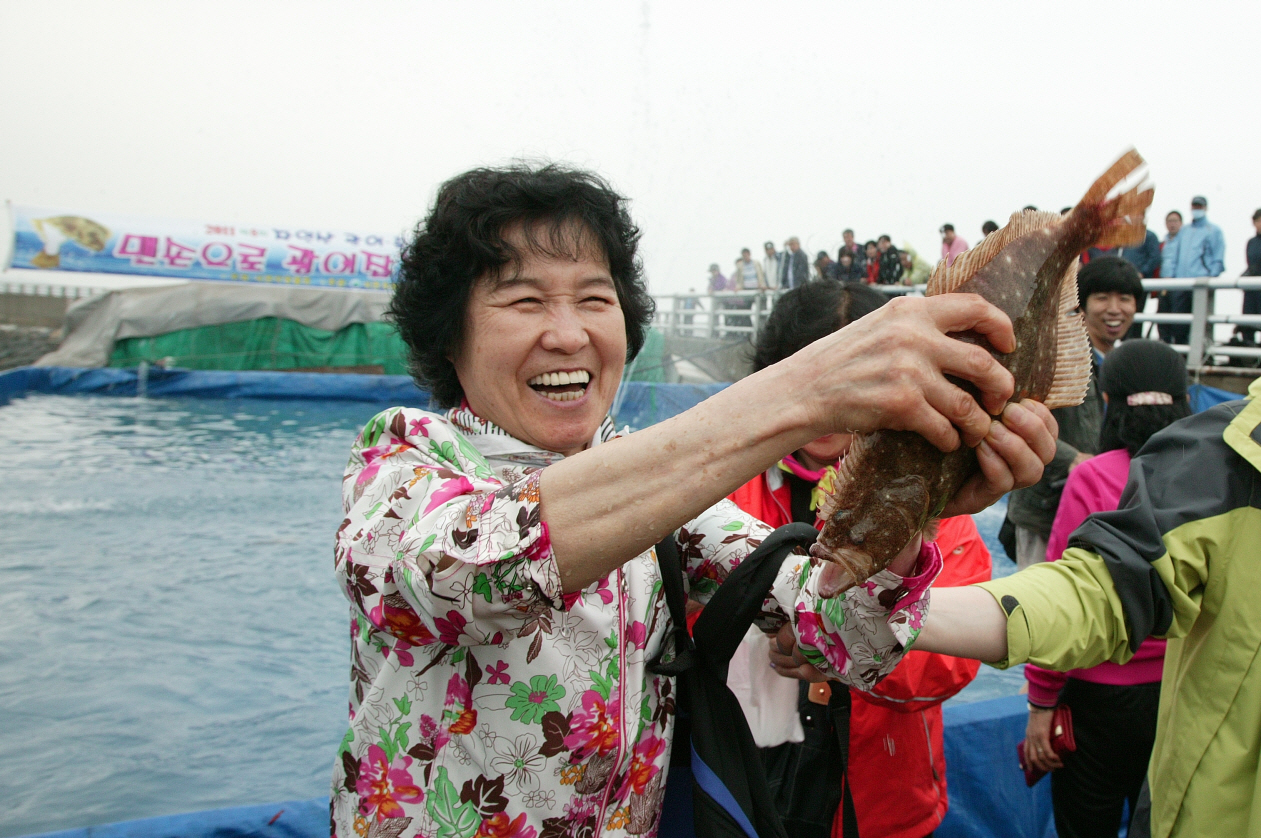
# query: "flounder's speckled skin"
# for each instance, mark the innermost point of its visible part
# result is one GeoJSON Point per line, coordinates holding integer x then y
{"type": "Point", "coordinates": [893, 483]}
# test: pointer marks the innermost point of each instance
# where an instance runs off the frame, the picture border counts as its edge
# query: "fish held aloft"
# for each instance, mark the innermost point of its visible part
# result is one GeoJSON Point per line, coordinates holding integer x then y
{"type": "Point", "coordinates": [891, 484]}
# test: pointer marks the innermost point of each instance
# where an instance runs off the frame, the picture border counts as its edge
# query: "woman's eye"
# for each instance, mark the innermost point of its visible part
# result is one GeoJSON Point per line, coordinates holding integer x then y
{"type": "Point", "coordinates": [528, 301]}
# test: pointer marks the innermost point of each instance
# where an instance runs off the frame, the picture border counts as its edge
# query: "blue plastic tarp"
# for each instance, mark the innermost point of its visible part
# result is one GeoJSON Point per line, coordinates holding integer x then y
{"type": "Point", "coordinates": [1203, 396]}
{"type": "Point", "coordinates": [988, 797]}
{"type": "Point", "coordinates": [294, 819]}
{"type": "Point", "coordinates": [639, 404]}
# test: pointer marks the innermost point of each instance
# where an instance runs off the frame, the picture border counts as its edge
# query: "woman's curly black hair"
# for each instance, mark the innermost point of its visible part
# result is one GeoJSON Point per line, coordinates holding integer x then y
{"type": "Point", "coordinates": [809, 312]}
{"type": "Point", "coordinates": [561, 212]}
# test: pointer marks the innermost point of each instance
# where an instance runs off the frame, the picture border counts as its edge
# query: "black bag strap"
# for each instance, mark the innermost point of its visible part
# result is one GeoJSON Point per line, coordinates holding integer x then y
{"type": "Point", "coordinates": [671, 567]}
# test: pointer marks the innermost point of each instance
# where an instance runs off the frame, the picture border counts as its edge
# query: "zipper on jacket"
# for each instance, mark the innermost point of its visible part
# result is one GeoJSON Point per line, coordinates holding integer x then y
{"type": "Point", "coordinates": [621, 700]}
{"type": "Point", "coordinates": [932, 761]}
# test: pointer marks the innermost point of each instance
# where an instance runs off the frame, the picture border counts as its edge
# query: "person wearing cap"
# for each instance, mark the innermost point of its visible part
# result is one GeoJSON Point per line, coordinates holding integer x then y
{"type": "Point", "coordinates": [770, 263]}
{"type": "Point", "coordinates": [952, 245]}
{"type": "Point", "coordinates": [1108, 291]}
{"type": "Point", "coordinates": [1113, 706]}
{"type": "Point", "coordinates": [1199, 249]}
{"type": "Point", "coordinates": [1252, 299]}
{"type": "Point", "coordinates": [825, 266]}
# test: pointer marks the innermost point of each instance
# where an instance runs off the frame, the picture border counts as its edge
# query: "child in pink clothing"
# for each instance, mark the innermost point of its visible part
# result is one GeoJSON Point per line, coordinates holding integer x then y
{"type": "Point", "coordinates": [1114, 707]}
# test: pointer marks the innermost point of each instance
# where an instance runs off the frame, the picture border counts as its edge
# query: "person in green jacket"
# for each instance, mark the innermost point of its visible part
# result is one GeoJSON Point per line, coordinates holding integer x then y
{"type": "Point", "coordinates": [1181, 559]}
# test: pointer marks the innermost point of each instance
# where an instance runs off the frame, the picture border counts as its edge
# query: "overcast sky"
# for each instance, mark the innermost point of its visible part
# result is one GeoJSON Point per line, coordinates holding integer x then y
{"type": "Point", "coordinates": [726, 123]}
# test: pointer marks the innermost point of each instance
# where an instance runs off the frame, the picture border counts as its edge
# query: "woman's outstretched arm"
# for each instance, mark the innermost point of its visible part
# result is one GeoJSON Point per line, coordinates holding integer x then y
{"type": "Point", "coordinates": [606, 505]}
{"type": "Point", "coordinates": [967, 623]}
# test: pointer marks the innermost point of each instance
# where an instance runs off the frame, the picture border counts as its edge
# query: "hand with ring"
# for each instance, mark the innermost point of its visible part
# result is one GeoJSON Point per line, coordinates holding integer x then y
{"type": "Point", "coordinates": [1038, 751]}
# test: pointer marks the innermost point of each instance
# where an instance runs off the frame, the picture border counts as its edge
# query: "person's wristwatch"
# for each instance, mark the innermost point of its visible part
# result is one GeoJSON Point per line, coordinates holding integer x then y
{"type": "Point", "coordinates": [1040, 708]}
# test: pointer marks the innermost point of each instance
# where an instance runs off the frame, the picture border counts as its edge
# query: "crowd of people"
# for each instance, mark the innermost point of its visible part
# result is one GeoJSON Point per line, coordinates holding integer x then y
{"type": "Point", "coordinates": [517, 630]}
{"type": "Point", "coordinates": [1188, 250]}
{"type": "Point", "coordinates": [876, 262]}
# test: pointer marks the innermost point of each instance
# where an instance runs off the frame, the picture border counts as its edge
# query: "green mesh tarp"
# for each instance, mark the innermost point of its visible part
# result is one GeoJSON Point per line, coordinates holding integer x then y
{"type": "Point", "coordinates": [274, 343]}
{"type": "Point", "coordinates": [268, 343]}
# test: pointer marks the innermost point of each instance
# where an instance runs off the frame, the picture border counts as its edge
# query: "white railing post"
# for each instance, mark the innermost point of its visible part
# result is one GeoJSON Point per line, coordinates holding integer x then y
{"type": "Point", "coordinates": [1199, 324]}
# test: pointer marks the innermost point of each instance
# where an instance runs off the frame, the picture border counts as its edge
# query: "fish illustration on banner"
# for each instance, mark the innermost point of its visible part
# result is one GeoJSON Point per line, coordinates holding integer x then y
{"type": "Point", "coordinates": [48, 240]}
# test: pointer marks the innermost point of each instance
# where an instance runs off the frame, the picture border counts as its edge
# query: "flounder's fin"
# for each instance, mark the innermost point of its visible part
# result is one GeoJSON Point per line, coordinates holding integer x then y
{"type": "Point", "coordinates": [1072, 348]}
{"type": "Point", "coordinates": [1122, 216]}
{"type": "Point", "coordinates": [947, 279]}
{"type": "Point", "coordinates": [834, 481]}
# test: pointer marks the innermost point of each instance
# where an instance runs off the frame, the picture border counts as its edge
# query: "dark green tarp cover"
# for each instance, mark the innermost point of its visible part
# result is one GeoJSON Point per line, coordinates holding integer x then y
{"type": "Point", "coordinates": [268, 343]}
{"type": "Point", "coordinates": [273, 343]}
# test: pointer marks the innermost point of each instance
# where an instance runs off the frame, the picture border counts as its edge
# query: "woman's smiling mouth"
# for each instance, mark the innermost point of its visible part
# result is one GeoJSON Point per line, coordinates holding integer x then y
{"type": "Point", "coordinates": [562, 385]}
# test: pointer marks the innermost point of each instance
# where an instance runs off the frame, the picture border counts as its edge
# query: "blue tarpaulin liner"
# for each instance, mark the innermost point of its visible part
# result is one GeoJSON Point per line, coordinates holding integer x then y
{"type": "Point", "coordinates": [988, 797]}
{"type": "Point", "coordinates": [293, 819]}
{"type": "Point", "coordinates": [1203, 396]}
{"type": "Point", "coordinates": [639, 404]}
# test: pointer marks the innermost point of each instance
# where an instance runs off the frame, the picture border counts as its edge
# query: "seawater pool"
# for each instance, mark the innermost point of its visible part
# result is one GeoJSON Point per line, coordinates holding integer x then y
{"type": "Point", "coordinates": [172, 636]}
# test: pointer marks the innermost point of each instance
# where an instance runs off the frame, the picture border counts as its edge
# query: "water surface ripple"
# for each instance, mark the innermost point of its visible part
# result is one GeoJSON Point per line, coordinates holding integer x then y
{"type": "Point", "coordinates": [172, 636]}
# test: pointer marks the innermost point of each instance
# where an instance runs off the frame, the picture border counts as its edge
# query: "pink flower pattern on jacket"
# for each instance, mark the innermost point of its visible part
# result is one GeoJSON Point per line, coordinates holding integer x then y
{"type": "Point", "coordinates": [484, 701]}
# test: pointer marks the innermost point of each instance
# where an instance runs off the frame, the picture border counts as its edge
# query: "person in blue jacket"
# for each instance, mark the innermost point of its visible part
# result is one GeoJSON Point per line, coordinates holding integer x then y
{"type": "Point", "coordinates": [1199, 249]}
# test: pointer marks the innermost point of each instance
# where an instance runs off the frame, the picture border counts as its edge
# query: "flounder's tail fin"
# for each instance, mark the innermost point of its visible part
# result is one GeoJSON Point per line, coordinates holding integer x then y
{"type": "Point", "coordinates": [1121, 217]}
{"type": "Point", "coordinates": [946, 279]}
{"type": "Point", "coordinates": [1072, 348]}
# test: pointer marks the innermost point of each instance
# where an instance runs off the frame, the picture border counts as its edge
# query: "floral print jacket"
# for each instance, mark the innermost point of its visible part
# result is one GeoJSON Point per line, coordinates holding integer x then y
{"type": "Point", "coordinates": [484, 701]}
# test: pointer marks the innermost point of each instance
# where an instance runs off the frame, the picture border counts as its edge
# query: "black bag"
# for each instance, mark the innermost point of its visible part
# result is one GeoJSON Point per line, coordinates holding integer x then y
{"type": "Point", "coordinates": [731, 796]}
{"type": "Point", "coordinates": [808, 779]}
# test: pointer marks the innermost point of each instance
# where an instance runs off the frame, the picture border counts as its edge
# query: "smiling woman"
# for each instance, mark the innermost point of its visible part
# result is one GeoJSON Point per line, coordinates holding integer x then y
{"type": "Point", "coordinates": [506, 601]}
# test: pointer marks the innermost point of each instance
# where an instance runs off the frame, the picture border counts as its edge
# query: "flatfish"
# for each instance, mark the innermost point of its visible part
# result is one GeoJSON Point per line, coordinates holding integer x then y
{"type": "Point", "coordinates": [891, 484]}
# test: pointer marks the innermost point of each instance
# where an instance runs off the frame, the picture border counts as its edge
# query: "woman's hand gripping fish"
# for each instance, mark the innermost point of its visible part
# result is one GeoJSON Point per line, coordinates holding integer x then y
{"type": "Point", "coordinates": [891, 484]}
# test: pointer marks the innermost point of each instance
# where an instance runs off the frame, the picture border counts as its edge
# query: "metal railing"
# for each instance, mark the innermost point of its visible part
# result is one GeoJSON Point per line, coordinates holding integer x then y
{"type": "Point", "coordinates": [47, 289]}
{"type": "Point", "coordinates": [740, 315]}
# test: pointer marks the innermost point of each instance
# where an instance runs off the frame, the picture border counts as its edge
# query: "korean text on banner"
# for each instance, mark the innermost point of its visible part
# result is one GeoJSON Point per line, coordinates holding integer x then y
{"type": "Point", "coordinates": [49, 240]}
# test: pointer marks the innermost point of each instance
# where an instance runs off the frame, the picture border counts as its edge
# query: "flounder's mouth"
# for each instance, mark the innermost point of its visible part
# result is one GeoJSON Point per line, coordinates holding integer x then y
{"type": "Point", "coordinates": [561, 385]}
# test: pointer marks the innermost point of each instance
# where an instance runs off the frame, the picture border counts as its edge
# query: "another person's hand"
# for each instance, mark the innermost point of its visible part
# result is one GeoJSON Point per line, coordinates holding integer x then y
{"type": "Point", "coordinates": [787, 660]}
{"type": "Point", "coordinates": [1038, 753]}
{"type": "Point", "coordinates": [1011, 457]}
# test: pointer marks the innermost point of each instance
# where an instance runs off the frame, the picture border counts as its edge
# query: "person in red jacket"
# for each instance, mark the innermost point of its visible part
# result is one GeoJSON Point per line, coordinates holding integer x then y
{"type": "Point", "coordinates": [895, 730]}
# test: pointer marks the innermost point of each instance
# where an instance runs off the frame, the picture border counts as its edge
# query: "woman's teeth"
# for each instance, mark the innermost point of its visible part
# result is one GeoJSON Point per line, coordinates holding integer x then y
{"type": "Point", "coordinates": [560, 379]}
{"type": "Point", "coordinates": [577, 379]}
{"type": "Point", "coordinates": [567, 396]}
